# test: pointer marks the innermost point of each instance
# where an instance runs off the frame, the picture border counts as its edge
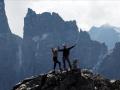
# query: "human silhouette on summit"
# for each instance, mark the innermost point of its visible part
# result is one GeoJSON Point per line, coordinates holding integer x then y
{"type": "Point", "coordinates": [66, 53]}
{"type": "Point", "coordinates": [55, 58]}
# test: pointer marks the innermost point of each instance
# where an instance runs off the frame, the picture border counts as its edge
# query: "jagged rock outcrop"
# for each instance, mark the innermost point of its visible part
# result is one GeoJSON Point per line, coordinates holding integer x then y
{"type": "Point", "coordinates": [9, 53]}
{"type": "Point", "coordinates": [47, 30]}
{"type": "Point", "coordinates": [70, 80]}
{"type": "Point", "coordinates": [4, 27]}
{"type": "Point", "coordinates": [111, 64]}
{"type": "Point", "coordinates": [106, 34]}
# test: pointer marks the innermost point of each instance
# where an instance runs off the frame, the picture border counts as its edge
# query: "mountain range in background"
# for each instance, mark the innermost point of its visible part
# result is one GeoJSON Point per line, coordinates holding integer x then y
{"type": "Point", "coordinates": [21, 58]}
{"type": "Point", "coordinates": [106, 33]}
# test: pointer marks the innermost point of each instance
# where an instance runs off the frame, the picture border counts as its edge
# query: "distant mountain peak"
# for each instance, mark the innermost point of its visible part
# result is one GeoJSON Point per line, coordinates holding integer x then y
{"type": "Point", "coordinates": [47, 19]}
{"type": "Point", "coordinates": [57, 16]}
{"type": "Point", "coordinates": [106, 25]}
{"type": "Point", "coordinates": [104, 33]}
{"type": "Point", "coordinates": [52, 15]}
{"type": "Point", "coordinates": [30, 12]}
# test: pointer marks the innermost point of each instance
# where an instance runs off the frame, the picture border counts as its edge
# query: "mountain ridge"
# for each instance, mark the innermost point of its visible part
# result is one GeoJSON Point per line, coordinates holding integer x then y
{"type": "Point", "coordinates": [107, 34]}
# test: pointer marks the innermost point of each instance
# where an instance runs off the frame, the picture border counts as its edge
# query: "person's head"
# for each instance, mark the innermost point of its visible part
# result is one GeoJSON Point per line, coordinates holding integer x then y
{"type": "Point", "coordinates": [55, 49]}
{"type": "Point", "coordinates": [64, 45]}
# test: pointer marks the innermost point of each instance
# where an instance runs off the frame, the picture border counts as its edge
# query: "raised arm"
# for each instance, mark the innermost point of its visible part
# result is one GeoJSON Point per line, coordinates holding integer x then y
{"type": "Point", "coordinates": [52, 49]}
{"type": "Point", "coordinates": [72, 46]}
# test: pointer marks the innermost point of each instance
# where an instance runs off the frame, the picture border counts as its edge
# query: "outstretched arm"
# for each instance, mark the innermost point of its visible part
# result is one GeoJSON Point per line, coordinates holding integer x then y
{"type": "Point", "coordinates": [52, 49]}
{"type": "Point", "coordinates": [72, 46]}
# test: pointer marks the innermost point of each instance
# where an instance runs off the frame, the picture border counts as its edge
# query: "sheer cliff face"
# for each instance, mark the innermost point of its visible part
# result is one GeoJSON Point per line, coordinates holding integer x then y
{"type": "Point", "coordinates": [110, 66]}
{"type": "Point", "coordinates": [9, 44]}
{"type": "Point", "coordinates": [44, 31]}
{"type": "Point", "coordinates": [4, 28]}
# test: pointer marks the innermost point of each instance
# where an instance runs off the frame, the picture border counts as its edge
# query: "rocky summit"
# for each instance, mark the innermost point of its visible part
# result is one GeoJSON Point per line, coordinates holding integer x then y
{"type": "Point", "coordinates": [68, 80]}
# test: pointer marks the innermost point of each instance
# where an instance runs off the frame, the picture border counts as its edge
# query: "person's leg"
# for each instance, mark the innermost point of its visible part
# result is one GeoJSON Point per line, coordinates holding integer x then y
{"type": "Point", "coordinates": [64, 63]}
{"type": "Point", "coordinates": [54, 65]}
{"type": "Point", "coordinates": [59, 65]}
{"type": "Point", "coordinates": [54, 59]}
{"type": "Point", "coordinates": [69, 63]}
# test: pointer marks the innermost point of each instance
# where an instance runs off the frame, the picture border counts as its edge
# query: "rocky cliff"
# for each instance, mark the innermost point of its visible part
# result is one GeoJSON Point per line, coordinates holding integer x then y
{"type": "Point", "coordinates": [68, 80]}
{"type": "Point", "coordinates": [4, 27]}
{"type": "Point", "coordinates": [9, 53]}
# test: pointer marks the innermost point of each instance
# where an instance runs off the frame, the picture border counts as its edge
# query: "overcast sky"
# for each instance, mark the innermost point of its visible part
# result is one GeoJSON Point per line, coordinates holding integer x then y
{"type": "Point", "coordinates": [87, 13]}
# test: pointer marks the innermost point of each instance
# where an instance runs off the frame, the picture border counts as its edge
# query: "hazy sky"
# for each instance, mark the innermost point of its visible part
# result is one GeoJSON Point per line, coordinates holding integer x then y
{"type": "Point", "coordinates": [87, 13]}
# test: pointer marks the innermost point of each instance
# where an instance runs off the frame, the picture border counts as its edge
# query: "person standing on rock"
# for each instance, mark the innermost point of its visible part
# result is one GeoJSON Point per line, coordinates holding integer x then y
{"type": "Point", "coordinates": [66, 53]}
{"type": "Point", "coordinates": [55, 58]}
